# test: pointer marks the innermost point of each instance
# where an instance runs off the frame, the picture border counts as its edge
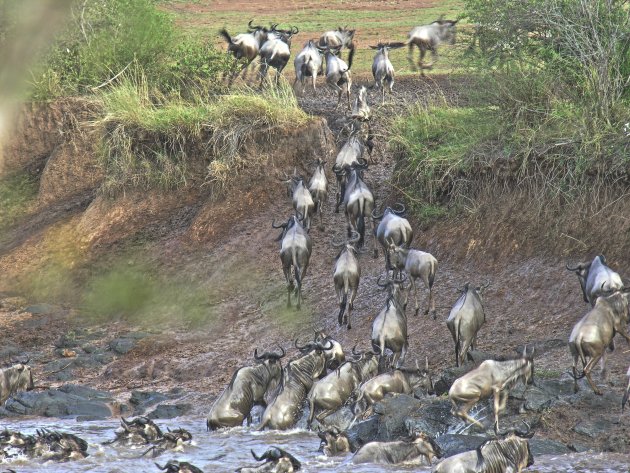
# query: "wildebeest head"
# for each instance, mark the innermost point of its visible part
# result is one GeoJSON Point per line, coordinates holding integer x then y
{"type": "Point", "coordinates": [528, 356]}
{"type": "Point", "coordinates": [420, 378]}
{"type": "Point", "coordinates": [174, 466]}
{"type": "Point", "coordinates": [19, 377]}
{"type": "Point", "coordinates": [275, 454]}
{"type": "Point", "coordinates": [333, 441]}
{"type": "Point", "coordinates": [334, 355]}
{"type": "Point", "coordinates": [291, 222]}
{"type": "Point", "coordinates": [272, 361]}
{"type": "Point", "coordinates": [395, 288]}
{"type": "Point", "coordinates": [445, 30]}
{"type": "Point", "coordinates": [418, 436]}
{"type": "Point", "coordinates": [582, 270]}
{"type": "Point", "coordinates": [389, 210]}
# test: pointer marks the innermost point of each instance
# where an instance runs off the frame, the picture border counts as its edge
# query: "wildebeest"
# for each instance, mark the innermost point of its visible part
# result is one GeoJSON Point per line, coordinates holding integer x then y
{"type": "Point", "coordinates": [596, 278]}
{"type": "Point", "coordinates": [174, 466]}
{"type": "Point", "coordinates": [595, 333]}
{"type": "Point", "coordinates": [358, 200]}
{"type": "Point", "coordinates": [346, 276]}
{"type": "Point", "coordinates": [339, 38]}
{"type": "Point", "coordinates": [382, 68]}
{"type": "Point", "coordinates": [511, 454]}
{"type": "Point", "coordinates": [246, 45]}
{"type": "Point", "coordinates": [417, 265]}
{"type": "Point", "coordinates": [303, 202]}
{"type": "Point", "coordinates": [171, 440]}
{"type": "Point", "coordinates": [298, 377]}
{"type": "Point", "coordinates": [466, 318]}
{"type": "Point", "coordinates": [295, 253]}
{"type": "Point", "coordinates": [308, 63]}
{"type": "Point", "coordinates": [386, 453]}
{"type": "Point", "coordinates": [360, 109]}
{"type": "Point", "coordinates": [140, 430]}
{"type": "Point", "coordinates": [276, 460]}
{"type": "Point", "coordinates": [389, 328]}
{"type": "Point", "coordinates": [338, 73]}
{"type": "Point", "coordinates": [18, 377]}
{"type": "Point", "coordinates": [351, 154]}
{"type": "Point", "coordinates": [275, 52]}
{"type": "Point", "coordinates": [401, 380]}
{"type": "Point", "coordinates": [624, 400]}
{"type": "Point", "coordinates": [47, 445]}
{"type": "Point", "coordinates": [394, 229]}
{"type": "Point", "coordinates": [428, 37]}
{"type": "Point", "coordinates": [490, 378]}
{"type": "Point", "coordinates": [333, 351]}
{"type": "Point", "coordinates": [247, 388]}
{"type": "Point", "coordinates": [333, 442]}
{"type": "Point", "coordinates": [332, 392]}
{"type": "Point", "coordinates": [318, 187]}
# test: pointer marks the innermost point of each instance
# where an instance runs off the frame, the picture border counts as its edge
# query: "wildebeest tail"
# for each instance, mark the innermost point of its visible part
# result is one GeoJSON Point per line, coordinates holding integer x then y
{"type": "Point", "coordinates": [296, 269]}
{"type": "Point", "coordinates": [432, 274]}
{"type": "Point", "coordinates": [458, 344]}
{"type": "Point", "coordinates": [342, 306]}
{"type": "Point", "coordinates": [223, 32]}
{"type": "Point", "coordinates": [350, 57]}
{"type": "Point", "coordinates": [361, 223]}
{"type": "Point", "coordinates": [305, 66]}
{"type": "Point", "coordinates": [624, 401]}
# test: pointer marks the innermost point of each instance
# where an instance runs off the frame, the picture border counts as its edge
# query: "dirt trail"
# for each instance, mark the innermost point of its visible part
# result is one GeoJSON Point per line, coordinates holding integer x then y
{"type": "Point", "coordinates": [529, 300]}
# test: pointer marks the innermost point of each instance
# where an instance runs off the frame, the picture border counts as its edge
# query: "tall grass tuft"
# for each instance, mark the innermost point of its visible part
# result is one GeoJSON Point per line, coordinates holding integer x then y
{"type": "Point", "coordinates": [153, 139]}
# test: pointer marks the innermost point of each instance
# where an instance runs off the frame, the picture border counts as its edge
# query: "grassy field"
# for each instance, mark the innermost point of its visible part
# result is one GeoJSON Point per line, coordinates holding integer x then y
{"type": "Point", "coordinates": [374, 21]}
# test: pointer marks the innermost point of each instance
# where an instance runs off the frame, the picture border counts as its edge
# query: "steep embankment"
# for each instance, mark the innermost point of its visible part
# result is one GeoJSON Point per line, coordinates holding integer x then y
{"type": "Point", "coordinates": [225, 293]}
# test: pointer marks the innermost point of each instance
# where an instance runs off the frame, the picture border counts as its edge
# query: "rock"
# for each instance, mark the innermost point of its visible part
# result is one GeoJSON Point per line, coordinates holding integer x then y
{"type": "Point", "coordinates": [363, 432]}
{"type": "Point", "coordinates": [85, 392]}
{"type": "Point", "coordinates": [480, 356]}
{"type": "Point", "coordinates": [617, 442]}
{"type": "Point", "coordinates": [543, 346]}
{"type": "Point", "coordinates": [40, 309]}
{"type": "Point", "coordinates": [434, 418]}
{"type": "Point", "coordinates": [59, 370]}
{"type": "Point", "coordinates": [122, 346]}
{"type": "Point", "coordinates": [136, 335]}
{"type": "Point", "coordinates": [142, 400]}
{"type": "Point", "coordinates": [9, 349]}
{"type": "Point", "coordinates": [67, 341]}
{"type": "Point", "coordinates": [169, 411]}
{"type": "Point", "coordinates": [104, 358]}
{"type": "Point", "coordinates": [57, 403]}
{"type": "Point", "coordinates": [393, 411]}
{"type": "Point", "coordinates": [88, 348]}
{"type": "Point", "coordinates": [448, 376]}
{"type": "Point", "coordinates": [542, 446]}
{"type": "Point", "coordinates": [341, 419]}
{"type": "Point", "coordinates": [592, 428]}
{"type": "Point", "coordinates": [452, 444]}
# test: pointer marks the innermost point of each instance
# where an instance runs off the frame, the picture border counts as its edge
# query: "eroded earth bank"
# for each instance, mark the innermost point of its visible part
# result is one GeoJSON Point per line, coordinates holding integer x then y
{"type": "Point", "coordinates": [190, 282]}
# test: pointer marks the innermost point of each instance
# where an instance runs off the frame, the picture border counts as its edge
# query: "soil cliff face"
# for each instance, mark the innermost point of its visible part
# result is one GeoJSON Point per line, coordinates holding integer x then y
{"type": "Point", "coordinates": [225, 246]}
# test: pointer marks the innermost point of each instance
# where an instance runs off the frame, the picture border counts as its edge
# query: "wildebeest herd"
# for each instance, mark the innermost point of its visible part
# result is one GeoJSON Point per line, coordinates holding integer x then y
{"type": "Point", "coordinates": [322, 376]}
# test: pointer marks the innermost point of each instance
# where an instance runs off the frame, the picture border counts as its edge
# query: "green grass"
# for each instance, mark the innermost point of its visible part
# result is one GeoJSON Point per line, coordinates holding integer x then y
{"type": "Point", "coordinates": [372, 26]}
{"type": "Point", "coordinates": [153, 140]}
{"type": "Point", "coordinates": [17, 192]}
{"type": "Point", "coordinates": [436, 145]}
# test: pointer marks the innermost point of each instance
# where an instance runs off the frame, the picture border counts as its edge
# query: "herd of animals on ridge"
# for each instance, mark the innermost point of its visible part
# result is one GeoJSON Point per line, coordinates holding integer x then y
{"type": "Point", "coordinates": [322, 376]}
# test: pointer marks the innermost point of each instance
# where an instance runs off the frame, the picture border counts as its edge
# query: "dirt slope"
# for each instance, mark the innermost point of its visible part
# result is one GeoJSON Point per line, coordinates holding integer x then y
{"type": "Point", "coordinates": [229, 247]}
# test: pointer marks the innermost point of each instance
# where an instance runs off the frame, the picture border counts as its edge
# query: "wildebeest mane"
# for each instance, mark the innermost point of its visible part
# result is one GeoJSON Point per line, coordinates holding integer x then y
{"type": "Point", "coordinates": [494, 456]}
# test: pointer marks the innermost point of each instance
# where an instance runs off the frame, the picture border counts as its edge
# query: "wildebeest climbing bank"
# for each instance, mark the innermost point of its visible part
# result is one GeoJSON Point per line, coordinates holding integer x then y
{"type": "Point", "coordinates": [219, 223]}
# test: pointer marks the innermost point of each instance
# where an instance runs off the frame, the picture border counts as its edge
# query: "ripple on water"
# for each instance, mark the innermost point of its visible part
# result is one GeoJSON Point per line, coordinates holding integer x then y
{"type": "Point", "coordinates": [227, 450]}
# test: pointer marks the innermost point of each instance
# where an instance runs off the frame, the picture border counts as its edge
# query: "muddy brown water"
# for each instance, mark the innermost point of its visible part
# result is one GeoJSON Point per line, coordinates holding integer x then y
{"type": "Point", "coordinates": [224, 451]}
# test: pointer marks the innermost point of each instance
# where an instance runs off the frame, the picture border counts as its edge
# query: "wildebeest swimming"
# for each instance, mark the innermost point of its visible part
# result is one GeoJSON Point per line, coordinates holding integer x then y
{"type": "Point", "coordinates": [276, 460]}
{"type": "Point", "coordinates": [46, 445]}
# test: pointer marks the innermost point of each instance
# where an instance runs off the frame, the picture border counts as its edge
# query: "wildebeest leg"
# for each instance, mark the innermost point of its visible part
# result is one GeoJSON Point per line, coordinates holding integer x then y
{"type": "Point", "coordinates": [348, 94]}
{"type": "Point", "coordinates": [602, 364]}
{"type": "Point", "coordinates": [351, 305]}
{"type": "Point", "coordinates": [289, 278]}
{"type": "Point", "coordinates": [311, 414]}
{"type": "Point", "coordinates": [342, 303]}
{"type": "Point", "coordinates": [410, 56]}
{"type": "Point", "coordinates": [587, 372]}
{"type": "Point", "coordinates": [575, 375]}
{"type": "Point", "coordinates": [401, 357]}
{"type": "Point", "coordinates": [463, 412]}
{"type": "Point", "coordinates": [423, 52]}
{"type": "Point", "coordinates": [325, 413]}
{"type": "Point", "coordinates": [314, 81]}
{"type": "Point", "coordinates": [414, 288]}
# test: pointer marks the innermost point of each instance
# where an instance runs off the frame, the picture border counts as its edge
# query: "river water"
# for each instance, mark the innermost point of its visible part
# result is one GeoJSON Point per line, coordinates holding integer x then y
{"type": "Point", "coordinates": [227, 450]}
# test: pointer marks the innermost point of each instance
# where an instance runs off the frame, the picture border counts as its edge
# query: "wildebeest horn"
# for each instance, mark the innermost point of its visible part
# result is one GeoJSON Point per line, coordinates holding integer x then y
{"type": "Point", "coordinates": [402, 209]}
{"type": "Point", "coordinates": [258, 458]}
{"type": "Point", "coordinates": [354, 352]}
{"type": "Point", "coordinates": [282, 350]}
{"type": "Point", "coordinates": [377, 352]}
{"type": "Point", "coordinates": [377, 217]}
{"type": "Point", "coordinates": [161, 467]}
{"type": "Point", "coordinates": [354, 238]}
{"type": "Point", "coordinates": [401, 278]}
{"type": "Point", "coordinates": [294, 30]}
{"type": "Point", "coordinates": [577, 268]}
{"type": "Point", "coordinates": [282, 225]}
{"type": "Point", "coordinates": [485, 286]}
{"type": "Point", "coordinates": [261, 357]}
